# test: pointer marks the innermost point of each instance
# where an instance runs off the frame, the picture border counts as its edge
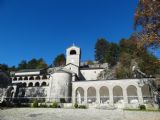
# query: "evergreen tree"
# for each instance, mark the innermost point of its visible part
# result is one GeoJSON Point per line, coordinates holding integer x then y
{"type": "Point", "coordinates": [60, 60]}
{"type": "Point", "coordinates": [41, 64]}
{"type": "Point", "coordinates": [32, 64]}
{"type": "Point", "coordinates": [22, 65]}
{"type": "Point", "coordinates": [101, 47]}
{"type": "Point", "coordinates": [112, 54]}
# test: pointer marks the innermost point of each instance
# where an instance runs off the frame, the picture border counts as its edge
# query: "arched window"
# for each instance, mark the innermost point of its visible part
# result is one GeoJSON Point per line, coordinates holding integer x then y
{"type": "Point", "coordinates": [20, 78]}
{"type": "Point", "coordinates": [38, 78]}
{"type": "Point", "coordinates": [72, 52]}
{"type": "Point", "coordinates": [15, 79]}
{"type": "Point", "coordinates": [44, 77]}
{"type": "Point", "coordinates": [37, 84]}
{"type": "Point", "coordinates": [43, 84]}
{"type": "Point", "coordinates": [25, 78]}
{"type": "Point", "coordinates": [24, 85]}
{"type": "Point", "coordinates": [31, 78]}
{"type": "Point", "coordinates": [30, 84]}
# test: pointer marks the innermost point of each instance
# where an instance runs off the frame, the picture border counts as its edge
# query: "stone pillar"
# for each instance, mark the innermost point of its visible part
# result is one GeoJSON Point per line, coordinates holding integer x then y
{"type": "Point", "coordinates": [18, 78]}
{"type": "Point", "coordinates": [34, 77]}
{"type": "Point", "coordinates": [125, 96]}
{"type": "Point", "coordinates": [28, 77]}
{"type": "Point", "coordinates": [23, 78]}
{"type": "Point", "coordinates": [111, 101]}
{"type": "Point", "coordinates": [139, 93]}
{"type": "Point", "coordinates": [41, 77]}
{"type": "Point", "coordinates": [73, 96]}
{"type": "Point", "coordinates": [85, 95]}
{"type": "Point", "coordinates": [47, 77]}
{"type": "Point", "coordinates": [49, 88]}
{"type": "Point", "coordinates": [14, 91]}
{"type": "Point", "coordinates": [97, 96]}
{"type": "Point", "coordinates": [73, 77]}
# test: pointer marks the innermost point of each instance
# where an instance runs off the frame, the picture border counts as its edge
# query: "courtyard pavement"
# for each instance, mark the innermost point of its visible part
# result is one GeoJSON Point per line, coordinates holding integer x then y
{"type": "Point", "coordinates": [75, 114]}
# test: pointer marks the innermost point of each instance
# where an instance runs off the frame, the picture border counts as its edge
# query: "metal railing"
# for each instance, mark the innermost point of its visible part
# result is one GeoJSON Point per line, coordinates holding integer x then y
{"type": "Point", "coordinates": [148, 99]}
{"type": "Point", "coordinates": [133, 99]}
{"type": "Point", "coordinates": [81, 100]}
{"type": "Point", "coordinates": [117, 99]}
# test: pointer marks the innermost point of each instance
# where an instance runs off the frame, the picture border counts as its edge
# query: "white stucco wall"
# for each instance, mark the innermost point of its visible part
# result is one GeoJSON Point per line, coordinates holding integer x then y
{"type": "Point", "coordinates": [72, 68]}
{"type": "Point", "coordinates": [27, 73]}
{"type": "Point", "coordinates": [91, 74]}
{"type": "Point", "coordinates": [60, 86]}
{"type": "Point", "coordinates": [110, 84]}
{"type": "Point", "coordinates": [74, 59]}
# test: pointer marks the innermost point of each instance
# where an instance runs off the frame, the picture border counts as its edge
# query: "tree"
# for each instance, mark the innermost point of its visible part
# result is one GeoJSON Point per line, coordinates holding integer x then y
{"type": "Point", "coordinates": [60, 60]}
{"type": "Point", "coordinates": [22, 65]}
{"type": "Point", "coordinates": [4, 67]}
{"type": "Point", "coordinates": [4, 79]}
{"type": "Point", "coordinates": [101, 48]}
{"type": "Point", "coordinates": [4, 75]}
{"type": "Point", "coordinates": [41, 64]}
{"type": "Point", "coordinates": [147, 63]}
{"type": "Point", "coordinates": [128, 45]}
{"type": "Point", "coordinates": [112, 54]}
{"type": "Point", "coordinates": [32, 64]}
{"type": "Point", "coordinates": [147, 16]}
{"type": "Point", "coordinates": [13, 68]}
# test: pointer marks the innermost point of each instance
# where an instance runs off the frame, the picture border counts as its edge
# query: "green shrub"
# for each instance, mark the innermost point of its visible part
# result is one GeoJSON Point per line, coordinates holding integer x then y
{"type": "Point", "coordinates": [142, 107]}
{"type": "Point", "coordinates": [43, 105]}
{"type": "Point", "coordinates": [82, 106]}
{"type": "Point", "coordinates": [35, 104]}
{"type": "Point", "coordinates": [62, 100]}
{"type": "Point", "coordinates": [55, 105]}
{"type": "Point", "coordinates": [6, 104]}
{"type": "Point", "coordinates": [75, 105]}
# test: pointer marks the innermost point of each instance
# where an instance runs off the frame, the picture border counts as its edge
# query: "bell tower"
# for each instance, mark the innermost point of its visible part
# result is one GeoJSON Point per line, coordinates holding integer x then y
{"type": "Point", "coordinates": [73, 55]}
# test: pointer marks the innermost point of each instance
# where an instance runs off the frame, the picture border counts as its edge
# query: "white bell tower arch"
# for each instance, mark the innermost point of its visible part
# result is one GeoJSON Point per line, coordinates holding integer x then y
{"type": "Point", "coordinates": [73, 55]}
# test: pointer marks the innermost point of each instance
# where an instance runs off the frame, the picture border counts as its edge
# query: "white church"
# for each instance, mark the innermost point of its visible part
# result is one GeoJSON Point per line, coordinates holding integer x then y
{"type": "Point", "coordinates": [77, 82]}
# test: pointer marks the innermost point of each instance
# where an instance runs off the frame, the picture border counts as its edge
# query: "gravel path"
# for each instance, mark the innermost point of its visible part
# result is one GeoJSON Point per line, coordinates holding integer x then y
{"type": "Point", "coordinates": [74, 114]}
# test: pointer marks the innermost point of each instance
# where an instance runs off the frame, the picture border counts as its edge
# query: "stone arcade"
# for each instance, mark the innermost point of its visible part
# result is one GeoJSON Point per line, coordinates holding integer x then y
{"type": "Point", "coordinates": [77, 82]}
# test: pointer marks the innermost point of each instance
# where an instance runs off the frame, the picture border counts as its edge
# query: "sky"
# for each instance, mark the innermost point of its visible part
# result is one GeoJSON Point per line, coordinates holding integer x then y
{"type": "Point", "coordinates": [45, 28]}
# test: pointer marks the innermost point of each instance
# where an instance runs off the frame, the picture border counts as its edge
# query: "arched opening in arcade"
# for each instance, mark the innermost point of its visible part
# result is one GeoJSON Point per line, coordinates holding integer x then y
{"type": "Point", "coordinates": [147, 94]}
{"type": "Point", "coordinates": [117, 94]}
{"type": "Point", "coordinates": [43, 84]}
{"type": "Point", "coordinates": [79, 95]}
{"type": "Point", "coordinates": [38, 78]}
{"type": "Point", "coordinates": [104, 95]}
{"type": "Point", "coordinates": [91, 95]}
{"type": "Point", "coordinates": [132, 94]}
{"type": "Point", "coordinates": [30, 84]}
{"type": "Point", "coordinates": [24, 84]}
{"type": "Point", "coordinates": [37, 84]}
